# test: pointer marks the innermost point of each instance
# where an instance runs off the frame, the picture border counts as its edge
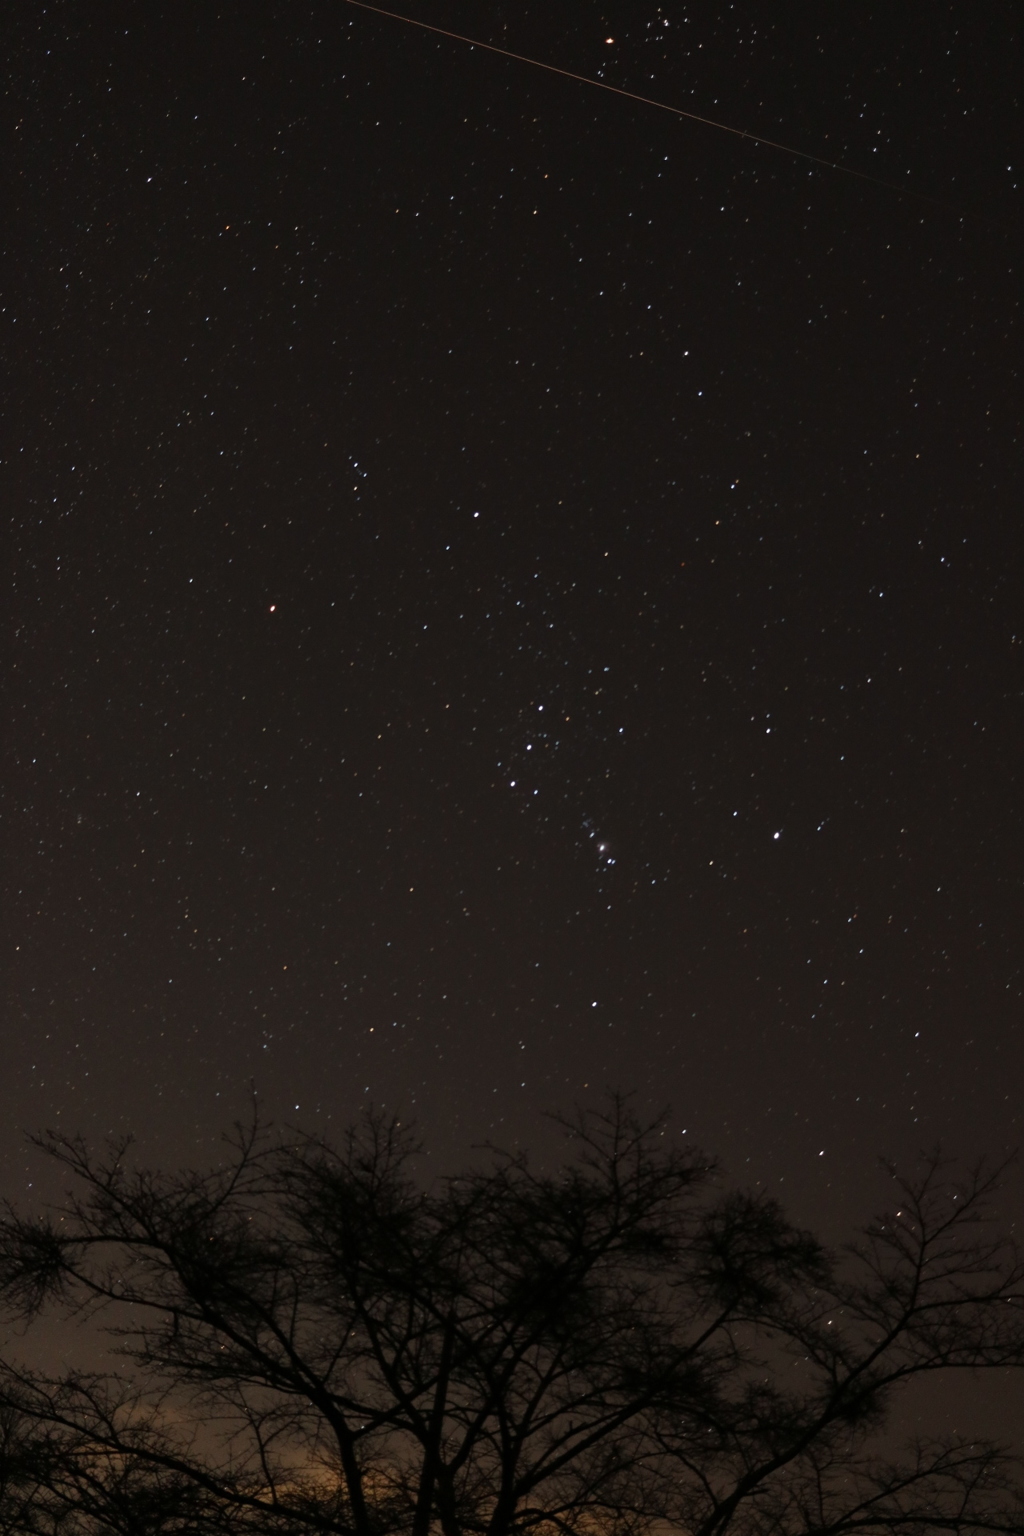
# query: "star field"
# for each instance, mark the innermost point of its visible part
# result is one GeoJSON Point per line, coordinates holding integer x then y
{"type": "Point", "coordinates": [513, 592]}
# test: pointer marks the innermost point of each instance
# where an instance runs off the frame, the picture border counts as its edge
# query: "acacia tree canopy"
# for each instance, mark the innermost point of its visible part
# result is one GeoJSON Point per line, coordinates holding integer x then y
{"type": "Point", "coordinates": [314, 1340]}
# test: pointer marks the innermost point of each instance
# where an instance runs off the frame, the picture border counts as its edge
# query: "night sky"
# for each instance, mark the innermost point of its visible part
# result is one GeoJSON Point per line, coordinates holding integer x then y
{"type": "Point", "coordinates": [514, 591]}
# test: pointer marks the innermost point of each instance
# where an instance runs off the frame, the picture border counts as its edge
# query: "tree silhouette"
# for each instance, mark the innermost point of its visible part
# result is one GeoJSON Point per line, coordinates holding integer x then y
{"type": "Point", "coordinates": [314, 1341]}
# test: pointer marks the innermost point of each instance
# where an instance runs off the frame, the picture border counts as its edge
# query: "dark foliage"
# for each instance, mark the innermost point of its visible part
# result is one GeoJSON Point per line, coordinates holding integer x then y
{"type": "Point", "coordinates": [315, 1342]}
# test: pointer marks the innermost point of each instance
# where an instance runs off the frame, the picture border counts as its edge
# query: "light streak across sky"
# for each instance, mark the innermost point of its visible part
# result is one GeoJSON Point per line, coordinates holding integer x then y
{"type": "Point", "coordinates": [650, 101]}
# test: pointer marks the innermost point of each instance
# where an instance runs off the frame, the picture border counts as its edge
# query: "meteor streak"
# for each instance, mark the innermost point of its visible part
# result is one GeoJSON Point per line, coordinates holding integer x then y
{"type": "Point", "coordinates": [649, 101]}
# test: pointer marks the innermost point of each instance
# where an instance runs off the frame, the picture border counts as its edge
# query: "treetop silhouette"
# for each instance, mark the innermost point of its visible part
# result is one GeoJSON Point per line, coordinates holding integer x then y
{"type": "Point", "coordinates": [313, 1340]}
